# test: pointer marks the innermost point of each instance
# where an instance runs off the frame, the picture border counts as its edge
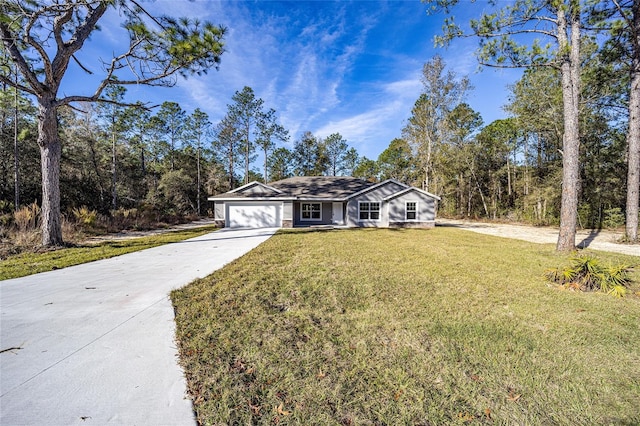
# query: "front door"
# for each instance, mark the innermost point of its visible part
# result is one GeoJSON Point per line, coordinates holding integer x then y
{"type": "Point", "coordinates": [337, 218]}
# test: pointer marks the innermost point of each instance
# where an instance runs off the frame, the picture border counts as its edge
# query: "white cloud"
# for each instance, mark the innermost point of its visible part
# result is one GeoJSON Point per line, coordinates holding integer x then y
{"type": "Point", "coordinates": [370, 131]}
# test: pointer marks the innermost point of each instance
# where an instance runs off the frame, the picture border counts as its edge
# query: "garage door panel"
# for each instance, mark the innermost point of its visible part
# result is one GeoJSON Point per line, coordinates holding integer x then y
{"type": "Point", "coordinates": [254, 215]}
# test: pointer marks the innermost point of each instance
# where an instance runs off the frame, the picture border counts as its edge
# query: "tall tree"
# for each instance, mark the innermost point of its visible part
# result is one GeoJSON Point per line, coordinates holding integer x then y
{"type": "Point", "coordinates": [335, 147]}
{"type": "Point", "coordinates": [462, 123]}
{"type": "Point", "coordinates": [397, 162]}
{"type": "Point", "coordinates": [351, 159]}
{"type": "Point", "coordinates": [173, 119]}
{"type": "Point", "coordinates": [245, 113]}
{"type": "Point", "coordinates": [197, 128]}
{"type": "Point", "coordinates": [51, 34]}
{"type": "Point", "coordinates": [309, 157]}
{"type": "Point", "coordinates": [139, 119]}
{"type": "Point", "coordinates": [18, 178]}
{"type": "Point", "coordinates": [426, 128]}
{"type": "Point", "coordinates": [367, 169]}
{"type": "Point", "coordinates": [280, 164]}
{"type": "Point", "coordinates": [511, 37]}
{"type": "Point", "coordinates": [621, 18]}
{"type": "Point", "coordinates": [269, 130]}
{"type": "Point", "coordinates": [227, 144]}
{"type": "Point", "coordinates": [114, 115]}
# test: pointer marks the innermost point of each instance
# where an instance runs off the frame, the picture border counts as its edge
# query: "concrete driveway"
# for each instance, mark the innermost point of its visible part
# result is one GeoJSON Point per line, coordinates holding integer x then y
{"type": "Point", "coordinates": [94, 344]}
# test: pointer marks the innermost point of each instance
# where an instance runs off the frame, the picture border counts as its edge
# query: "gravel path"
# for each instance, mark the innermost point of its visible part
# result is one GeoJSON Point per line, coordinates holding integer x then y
{"type": "Point", "coordinates": [595, 239]}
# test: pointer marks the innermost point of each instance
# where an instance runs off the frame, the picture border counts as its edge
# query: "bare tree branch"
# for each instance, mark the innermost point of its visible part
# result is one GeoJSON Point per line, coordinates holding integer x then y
{"type": "Point", "coordinates": [11, 45]}
{"type": "Point", "coordinates": [28, 39]}
{"type": "Point", "coordinates": [85, 69]}
{"type": "Point", "coordinates": [18, 86]}
{"type": "Point", "coordinates": [58, 24]}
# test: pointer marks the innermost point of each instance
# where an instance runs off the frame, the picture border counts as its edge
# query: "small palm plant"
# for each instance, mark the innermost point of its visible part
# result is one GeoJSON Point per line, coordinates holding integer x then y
{"type": "Point", "coordinates": [588, 274]}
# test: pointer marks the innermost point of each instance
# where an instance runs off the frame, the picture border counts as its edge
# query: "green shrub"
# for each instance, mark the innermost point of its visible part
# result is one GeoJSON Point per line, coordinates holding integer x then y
{"type": "Point", "coordinates": [588, 274]}
{"type": "Point", "coordinates": [613, 218]}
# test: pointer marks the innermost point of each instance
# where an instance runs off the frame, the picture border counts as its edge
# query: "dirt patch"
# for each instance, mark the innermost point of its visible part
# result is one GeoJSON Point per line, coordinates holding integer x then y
{"type": "Point", "coordinates": [127, 235]}
{"type": "Point", "coordinates": [595, 239]}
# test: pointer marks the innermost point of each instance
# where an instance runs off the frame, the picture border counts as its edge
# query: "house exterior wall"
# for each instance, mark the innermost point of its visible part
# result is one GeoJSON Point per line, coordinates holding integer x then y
{"type": "Point", "coordinates": [426, 211]}
{"type": "Point", "coordinates": [325, 219]}
{"type": "Point", "coordinates": [392, 212]}
{"type": "Point", "coordinates": [287, 214]}
{"type": "Point", "coordinates": [376, 195]}
{"type": "Point", "coordinates": [218, 210]}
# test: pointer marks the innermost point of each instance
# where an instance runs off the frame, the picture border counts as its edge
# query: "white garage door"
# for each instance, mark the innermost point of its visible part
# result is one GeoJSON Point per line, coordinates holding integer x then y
{"type": "Point", "coordinates": [254, 215]}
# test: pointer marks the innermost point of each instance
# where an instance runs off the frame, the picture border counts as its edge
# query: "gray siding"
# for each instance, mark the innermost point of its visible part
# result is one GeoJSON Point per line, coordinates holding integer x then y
{"type": "Point", "coordinates": [218, 210]}
{"type": "Point", "coordinates": [287, 210]}
{"type": "Point", "coordinates": [426, 207]}
{"type": "Point", "coordinates": [377, 194]}
{"type": "Point", "coordinates": [325, 216]}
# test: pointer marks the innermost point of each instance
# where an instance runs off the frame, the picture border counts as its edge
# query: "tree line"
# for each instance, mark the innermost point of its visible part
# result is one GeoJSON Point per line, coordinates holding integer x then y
{"type": "Point", "coordinates": [591, 50]}
{"type": "Point", "coordinates": [509, 169]}
{"type": "Point", "coordinates": [569, 154]}
{"type": "Point", "coordinates": [118, 156]}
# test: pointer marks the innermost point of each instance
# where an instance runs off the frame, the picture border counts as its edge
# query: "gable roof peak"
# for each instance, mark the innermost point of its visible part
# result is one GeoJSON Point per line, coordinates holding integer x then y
{"type": "Point", "coordinates": [254, 183]}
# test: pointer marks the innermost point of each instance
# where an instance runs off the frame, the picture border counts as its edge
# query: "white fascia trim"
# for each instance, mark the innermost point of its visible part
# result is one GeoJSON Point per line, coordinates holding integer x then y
{"type": "Point", "coordinates": [409, 189]}
{"type": "Point", "coordinates": [321, 200]}
{"type": "Point", "coordinates": [241, 199]}
{"type": "Point", "coordinates": [255, 182]}
{"type": "Point", "coordinates": [377, 185]}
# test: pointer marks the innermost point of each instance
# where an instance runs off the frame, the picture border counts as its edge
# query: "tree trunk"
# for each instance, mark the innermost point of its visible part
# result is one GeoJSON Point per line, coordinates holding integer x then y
{"type": "Point", "coordinates": [198, 183]}
{"type": "Point", "coordinates": [114, 172]}
{"type": "Point", "coordinates": [427, 168]}
{"type": "Point", "coordinates": [16, 158]}
{"type": "Point", "coordinates": [570, 70]}
{"type": "Point", "coordinates": [633, 137]}
{"type": "Point", "coordinates": [231, 180]}
{"type": "Point", "coordinates": [50, 153]}
{"type": "Point", "coordinates": [265, 165]}
{"type": "Point", "coordinates": [508, 177]}
{"type": "Point", "coordinates": [143, 167]}
{"type": "Point", "coordinates": [246, 155]}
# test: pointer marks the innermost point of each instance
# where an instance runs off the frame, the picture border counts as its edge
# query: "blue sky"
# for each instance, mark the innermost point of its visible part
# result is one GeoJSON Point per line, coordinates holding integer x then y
{"type": "Point", "coordinates": [348, 67]}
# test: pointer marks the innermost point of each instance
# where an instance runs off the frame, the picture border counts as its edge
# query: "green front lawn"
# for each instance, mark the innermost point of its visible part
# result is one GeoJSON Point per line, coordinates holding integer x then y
{"type": "Point", "coordinates": [32, 263]}
{"type": "Point", "coordinates": [388, 327]}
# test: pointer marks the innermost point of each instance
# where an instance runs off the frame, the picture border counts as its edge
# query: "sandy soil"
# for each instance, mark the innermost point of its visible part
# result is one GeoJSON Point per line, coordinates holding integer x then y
{"type": "Point", "coordinates": [595, 239]}
{"type": "Point", "coordinates": [126, 235]}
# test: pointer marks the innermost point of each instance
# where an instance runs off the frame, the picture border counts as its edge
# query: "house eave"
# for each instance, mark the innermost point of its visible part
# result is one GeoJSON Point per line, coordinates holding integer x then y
{"type": "Point", "coordinates": [255, 182]}
{"type": "Point", "coordinates": [215, 198]}
{"type": "Point", "coordinates": [377, 185]}
{"type": "Point", "coordinates": [410, 189]}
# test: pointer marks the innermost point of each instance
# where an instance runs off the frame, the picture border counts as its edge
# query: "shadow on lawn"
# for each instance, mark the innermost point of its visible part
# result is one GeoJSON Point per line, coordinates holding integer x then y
{"type": "Point", "coordinates": [588, 239]}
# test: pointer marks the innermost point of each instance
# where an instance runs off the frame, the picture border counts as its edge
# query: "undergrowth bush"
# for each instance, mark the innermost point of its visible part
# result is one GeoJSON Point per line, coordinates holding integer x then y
{"type": "Point", "coordinates": [84, 216]}
{"type": "Point", "coordinates": [586, 273]}
{"type": "Point", "coordinates": [613, 218]}
{"type": "Point", "coordinates": [26, 218]}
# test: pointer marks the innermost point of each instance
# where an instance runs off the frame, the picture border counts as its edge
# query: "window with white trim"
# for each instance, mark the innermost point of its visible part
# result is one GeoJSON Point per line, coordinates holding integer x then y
{"type": "Point", "coordinates": [369, 210]}
{"type": "Point", "coordinates": [411, 210]}
{"type": "Point", "coordinates": [311, 211]}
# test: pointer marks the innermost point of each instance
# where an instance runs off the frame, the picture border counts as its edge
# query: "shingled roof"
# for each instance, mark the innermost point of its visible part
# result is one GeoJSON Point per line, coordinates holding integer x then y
{"type": "Point", "coordinates": [334, 187]}
{"type": "Point", "coordinates": [301, 187]}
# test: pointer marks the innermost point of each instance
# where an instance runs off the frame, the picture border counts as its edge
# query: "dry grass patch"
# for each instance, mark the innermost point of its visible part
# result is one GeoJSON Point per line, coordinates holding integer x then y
{"type": "Point", "coordinates": [28, 263]}
{"type": "Point", "coordinates": [405, 327]}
